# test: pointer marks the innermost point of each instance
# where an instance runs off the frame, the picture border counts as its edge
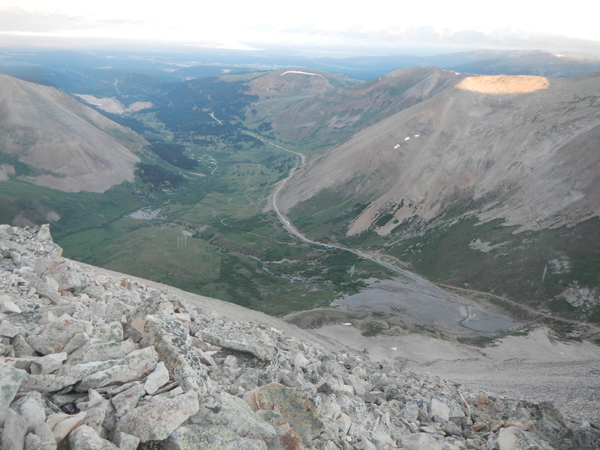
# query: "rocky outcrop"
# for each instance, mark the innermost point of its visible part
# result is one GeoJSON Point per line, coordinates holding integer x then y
{"type": "Point", "coordinates": [106, 362]}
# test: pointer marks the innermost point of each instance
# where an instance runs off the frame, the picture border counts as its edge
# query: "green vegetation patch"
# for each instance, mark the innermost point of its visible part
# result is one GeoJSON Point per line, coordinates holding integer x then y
{"type": "Point", "coordinates": [479, 341]}
{"type": "Point", "coordinates": [327, 215]}
{"type": "Point", "coordinates": [157, 177]}
{"type": "Point", "coordinates": [317, 318]}
{"type": "Point", "coordinates": [533, 267]}
{"type": "Point", "coordinates": [20, 167]}
{"type": "Point", "coordinates": [174, 155]}
{"type": "Point", "coordinates": [373, 328]}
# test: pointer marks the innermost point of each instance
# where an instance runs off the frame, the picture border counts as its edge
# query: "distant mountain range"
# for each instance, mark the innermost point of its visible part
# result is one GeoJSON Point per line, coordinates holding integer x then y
{"type": "Point", "coordinates": [71, 70]}
{"type": "Point", "coordinates": [487, 62]}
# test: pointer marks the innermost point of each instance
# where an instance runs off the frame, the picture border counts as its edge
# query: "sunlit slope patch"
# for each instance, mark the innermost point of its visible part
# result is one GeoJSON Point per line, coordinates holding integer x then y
{"type": "Point", "coordinates": [524, 157]}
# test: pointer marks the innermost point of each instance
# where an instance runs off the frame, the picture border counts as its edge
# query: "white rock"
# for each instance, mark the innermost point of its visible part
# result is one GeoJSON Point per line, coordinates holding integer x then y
{"type": "Point", "coordinates": [420, 441]}
{"type": "Point", "coordinates": [33, 413]}
{"type": "Point", "coordinates": [95, 416]}
{"type": "Point", "coordinates": [8, 307]}
{"type": "Point", "coordinates": [235, 414]}
{"type": "Point", "coordinates": [126, 441]}
{"type": "Point", "coordinates": [9, 330]}
{"type": "Point", "coordinates": [157, 379]}
{"type": "Point", "coordinates": [212, 437]}
{"type": "Point", "coordinates": [259, 344]}
{"type": "Point", "coordinates": [15, 428]}
{"type": "Point", "coordinates": [158, 421]}
{"type": "Point", "coordinates": [300, 360]}
{"type": "Point", "coordinates": [128, 399]}
{"type": "Point", "coordinates": [55, 335]}
{"type": "Point", "coordinates": [76, 342]}
{"type": "Point", "coordinates": [114, 375]}
{"type": "Point", "coordinates": [93, 350]}
{"type": "Point", "coordinates": [53, 419]}
{"type": "Point", "coordinates": [48, 363]}
{"type": "Point", "coordinates": [507, 439]}
{"type": "Point", "coordinates": [439, 411]}
{"type": "Point", "coordinates": [62, 429]}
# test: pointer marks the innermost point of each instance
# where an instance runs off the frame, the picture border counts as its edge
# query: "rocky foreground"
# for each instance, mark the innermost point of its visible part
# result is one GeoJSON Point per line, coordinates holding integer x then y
{"type": "Point", "coordinates": [97, 360]}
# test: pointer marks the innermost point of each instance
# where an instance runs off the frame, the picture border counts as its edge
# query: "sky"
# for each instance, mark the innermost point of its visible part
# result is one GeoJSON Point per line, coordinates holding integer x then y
{"type": "Point", "coordinates": [312, 24]}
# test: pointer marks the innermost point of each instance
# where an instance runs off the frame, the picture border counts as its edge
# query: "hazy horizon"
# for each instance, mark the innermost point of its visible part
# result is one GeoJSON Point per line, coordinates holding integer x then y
{"type": "Point", "coordinates": [311, 29]}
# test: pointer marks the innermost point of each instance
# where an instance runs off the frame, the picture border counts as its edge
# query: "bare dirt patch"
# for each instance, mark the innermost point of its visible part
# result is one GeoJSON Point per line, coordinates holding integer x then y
{"type": "Point", "coordinates": [145, 214]}
{"type": "Point", "coordinates": [484, 247]}
{"type": "Point", "coordinates": [5, 171]}
{"type": "Point", "coordinates": [138, 106]}
{"type": "Point", "coordinates": [112, 105]}
{"type": "Point", "coordinates": [504, 84]}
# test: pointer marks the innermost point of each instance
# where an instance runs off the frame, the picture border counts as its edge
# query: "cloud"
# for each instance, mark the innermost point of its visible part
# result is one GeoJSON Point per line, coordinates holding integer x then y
{"type": "Point", "coordinates": [394, 39]}
{"type": "Point", "coordinates": [18, 20]}
{"type": "Point", "coordinates": [313, 25]}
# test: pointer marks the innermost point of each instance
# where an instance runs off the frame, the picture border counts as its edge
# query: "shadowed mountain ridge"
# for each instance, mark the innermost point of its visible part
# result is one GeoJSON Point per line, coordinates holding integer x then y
{"type": "Point", "coordinates": [57, 142]}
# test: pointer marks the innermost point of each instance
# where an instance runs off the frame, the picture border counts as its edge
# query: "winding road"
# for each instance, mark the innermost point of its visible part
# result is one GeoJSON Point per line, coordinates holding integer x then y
{"type": "Point", "coordinates": [294, 231]}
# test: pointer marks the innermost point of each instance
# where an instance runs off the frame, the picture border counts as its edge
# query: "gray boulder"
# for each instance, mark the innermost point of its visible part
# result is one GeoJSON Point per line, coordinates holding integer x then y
{"type": "Point", "coordinates": [10, 382]}
{"type": "Point", "coordinates": [94, 350]}
{"type": "Point", "coordinates": [210, 437]}
{"type": "Point", "coordinates": [255, 342]}
{"type": "Point", "coordinates": [55, 335]}
{"type": "Point", "coordinates": [85, 438]}
{"type": "Point", "coordinates": [235, 414]}
{"type": "Point", "coordinates": [15, 428]}
{"type": "Point", "coordinates": [155, 422]}
{"type": "Point", "coordinates": [170, 338]}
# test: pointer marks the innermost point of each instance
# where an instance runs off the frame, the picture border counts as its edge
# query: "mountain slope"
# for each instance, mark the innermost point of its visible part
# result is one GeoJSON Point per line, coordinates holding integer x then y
{"type": "Point", "coordinates": [294, 81]}
{"type": "Point", "coordinates": [332, 116]}
{"type": "Point", "coordinates": [525, 147]}
{"type": "Point", "coordinates": [52, 140]}
{"type": "Point", "coordinates": [520, 151]}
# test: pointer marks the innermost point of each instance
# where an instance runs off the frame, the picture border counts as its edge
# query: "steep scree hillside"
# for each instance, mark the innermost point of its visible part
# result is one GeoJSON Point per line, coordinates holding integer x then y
{"type": "Point", "coordinates": [50, 139]}
{"type": "Point", "coordinates": [522, 139]}
{"type": "Point", "coordinates": [516, 154]}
